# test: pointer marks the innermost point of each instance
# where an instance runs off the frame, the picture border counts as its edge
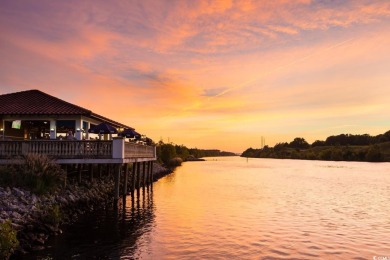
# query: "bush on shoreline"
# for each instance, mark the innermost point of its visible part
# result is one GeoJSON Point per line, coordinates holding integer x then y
{"type": "Point", "coordinates": [37, 173]}
{"type": "Point", "coordinates": [8, 240]}
{"type": "Point", "coordinates": [174, 162]}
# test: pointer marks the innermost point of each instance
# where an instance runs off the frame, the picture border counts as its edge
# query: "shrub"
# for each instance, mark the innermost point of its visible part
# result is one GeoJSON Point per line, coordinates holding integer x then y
{"type": "Point", "coordinates": [336, 154]}
{"type": "Point", "coordinates": [7, 175]}
{"type": "Point", "coordinates": [8, 240]}
{"type": "Point", "coordinates": [175, 162]}
{"type": "Point", "coordinates": [37, 173]}
{"type": "Point", "coordinates": [326, 154]}
{"type": "Point", "coordinates": [166, 152]}
{"type": "Point", "coordinates": [374, 154]}
{"type": "Point", "coordinates": [310, 155]}
{"type": "Point", "coordinates": [53, 215]}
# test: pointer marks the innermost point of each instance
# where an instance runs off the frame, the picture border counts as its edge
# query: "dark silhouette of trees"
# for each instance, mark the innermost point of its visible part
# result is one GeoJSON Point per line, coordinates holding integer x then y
{"type": "Point", "coordinates": [346, 147]}
{"type": "Point", "coordinates": [374, 154]}
{"type": "Point", "coordinates": [318, 143]}
{"type": "Point", "coordinates": [299, 143]}
{"type": "Point", "coordinates": [348, 139]}
{"type": "Point", "coordinates": [166, 152]}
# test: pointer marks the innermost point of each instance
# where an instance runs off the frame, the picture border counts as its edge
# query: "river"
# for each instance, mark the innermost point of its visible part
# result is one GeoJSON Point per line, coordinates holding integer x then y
{"type": "Point", "coordinates": [238, 208]}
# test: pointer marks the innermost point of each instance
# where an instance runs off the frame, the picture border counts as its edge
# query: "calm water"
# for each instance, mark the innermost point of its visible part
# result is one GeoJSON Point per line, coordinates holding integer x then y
{"type": "Point", "coordinates": [234, 208]}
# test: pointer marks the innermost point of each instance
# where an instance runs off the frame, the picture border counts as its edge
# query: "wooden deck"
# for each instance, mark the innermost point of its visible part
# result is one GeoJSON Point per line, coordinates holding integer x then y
{"type": "Point", "coordinates": [69, 152]}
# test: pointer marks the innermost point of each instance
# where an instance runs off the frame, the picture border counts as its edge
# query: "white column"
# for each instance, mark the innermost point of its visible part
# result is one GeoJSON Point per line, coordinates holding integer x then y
{"type": "Point", "coordinates": [2, 132]}
{"type": "Point", "coordinates": [86, 130]}
{"type": "Point", "coordinates": [79, 130]}
{"type": "Point", "coordinates": [118, 148]}
{"type": "Point", "coordinates": [53, 129]}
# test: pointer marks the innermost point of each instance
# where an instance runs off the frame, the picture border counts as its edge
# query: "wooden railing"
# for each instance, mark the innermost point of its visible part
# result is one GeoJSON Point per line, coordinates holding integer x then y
{"type": "Point", "coordinates": [133, 150]}
{"type": "Point", "coordinates": [73, 149]}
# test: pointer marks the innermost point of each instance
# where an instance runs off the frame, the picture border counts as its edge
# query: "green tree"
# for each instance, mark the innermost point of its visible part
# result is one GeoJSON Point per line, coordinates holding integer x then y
{"type": "Point", "coordinates": [167, 152]}
{"type": "Point", "coordinates": [250, 152]}
{"type": "Point", "coordinates": [299, 143]}
{"type": "Point", "coordinates": [374, 154]}
{"type": "Point", "coordinates": [182, 151]}
{"type": "Point", "coordinates": [326, 154]}
{"type": "Point", "coordinates": [336, 154]}
{"type": "Point", "coordinates": [318, 143]}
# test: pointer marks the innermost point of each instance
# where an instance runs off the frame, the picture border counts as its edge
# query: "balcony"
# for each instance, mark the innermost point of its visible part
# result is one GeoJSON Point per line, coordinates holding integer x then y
{"type": "Point", "coordinates": [88, 151]}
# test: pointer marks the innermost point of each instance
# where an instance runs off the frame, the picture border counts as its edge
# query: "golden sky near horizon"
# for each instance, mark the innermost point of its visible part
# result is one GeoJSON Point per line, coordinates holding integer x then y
{"type": "Point", "coordinates": [208, 74]}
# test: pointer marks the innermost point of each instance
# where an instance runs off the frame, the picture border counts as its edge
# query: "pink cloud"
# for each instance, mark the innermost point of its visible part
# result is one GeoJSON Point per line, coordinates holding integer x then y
{"type": "Point", "coordinates": [261, 62]}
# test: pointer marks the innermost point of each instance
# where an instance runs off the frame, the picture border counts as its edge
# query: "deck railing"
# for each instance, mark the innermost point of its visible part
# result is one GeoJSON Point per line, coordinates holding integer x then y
{"type": "Point", "coordinates": [133, 150]}
{"type": "Point", "coordinates": [64, 149]}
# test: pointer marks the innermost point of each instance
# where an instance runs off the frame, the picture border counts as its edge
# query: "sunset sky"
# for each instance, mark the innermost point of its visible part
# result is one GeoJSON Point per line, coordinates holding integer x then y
{"type": "Point", "coordinates": [208, 74]}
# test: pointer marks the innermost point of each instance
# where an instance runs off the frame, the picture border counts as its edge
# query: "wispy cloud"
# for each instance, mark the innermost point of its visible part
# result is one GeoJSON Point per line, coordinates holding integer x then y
{"type": "Point", "coordinates": [215, 66]}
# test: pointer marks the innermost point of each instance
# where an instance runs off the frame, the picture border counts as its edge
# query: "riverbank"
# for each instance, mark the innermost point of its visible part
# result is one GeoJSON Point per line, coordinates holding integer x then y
{"type": "Point", "coordinates": [367, 153]}
{"type": "Point", "coordinates": [36, 218]}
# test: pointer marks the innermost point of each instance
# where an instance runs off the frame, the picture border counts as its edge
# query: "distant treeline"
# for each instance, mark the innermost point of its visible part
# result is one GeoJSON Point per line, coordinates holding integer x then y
{"type": "Point", "coordinates": [168, 153]}
{"type": "Point", "coordinates": [343, 147]}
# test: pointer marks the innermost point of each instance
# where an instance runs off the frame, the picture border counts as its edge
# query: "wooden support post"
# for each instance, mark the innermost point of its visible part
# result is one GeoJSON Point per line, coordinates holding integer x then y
{"type": "Point", "coordinates": [151, 172]}
{"type": "Point", "coordinates": [138, 175]}
{"type": "Point", "coordinates": [132, 185]}
{"type": "Point", "coordinates": [147, 173]}
{"type": "Point", "coordinates": [144, 174]}
{"type": "Point", "coordinates": [65, 167]}
{"type": "Point", "coordinates": [125, 179]}
{"type": "Point", "coordinates": [117, 175]}
{"type": "Point", "coordinates": [138, 180]}
{"type": "Point", "coordinates": [80, 168]}
{"type": "Point", "coordinates": [100, 170]}
{"type": "Point", "coordinates": [91, 172]}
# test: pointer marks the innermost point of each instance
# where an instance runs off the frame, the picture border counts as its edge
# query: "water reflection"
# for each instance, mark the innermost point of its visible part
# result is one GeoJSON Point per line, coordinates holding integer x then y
{"type": "Point", "coordinates": [272, 209]}
{"type": "Point", "coordinates": [116, 231]}
{"type": "Point", "coordinates": [233, 208]}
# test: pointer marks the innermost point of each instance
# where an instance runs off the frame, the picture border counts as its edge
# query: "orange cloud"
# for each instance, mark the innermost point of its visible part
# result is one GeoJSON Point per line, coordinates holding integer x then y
{"type": "Point", "coordinates": [204, 71]}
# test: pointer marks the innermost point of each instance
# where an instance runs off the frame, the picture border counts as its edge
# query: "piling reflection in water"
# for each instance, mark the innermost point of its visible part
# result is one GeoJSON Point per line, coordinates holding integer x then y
{"type": "Point", "coordinates": [107, 233]}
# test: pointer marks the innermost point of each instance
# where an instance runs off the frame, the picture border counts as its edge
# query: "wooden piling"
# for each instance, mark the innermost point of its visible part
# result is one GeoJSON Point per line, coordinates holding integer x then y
{"type": "Point", "coordinates": [79, 169]}
{"type": "Point", "coordinates": [144, 174]}
{"type": "Point", "coordinates": [100, 170]}
{"type": "Point", "coordinates": [147, 173]}
{"type": "Point", "coordinates": [133, 173]}
{"type": "Point", "coordinates": [151, 172]}
{"type": "Point", "coordinates": [125, 178]}
{"type": "Point", "coordinates": [117, 175]}
{"type": "Point", "coordinates": [108, 170]}
{"type": "Point", "coordinates": [138, 175]}
{"type": "Point", "coordinates": [65, 168]}
{"type": "Point", "coordinates": [90, 172]}
{"type": "Point", "coordinates": [138, 179]}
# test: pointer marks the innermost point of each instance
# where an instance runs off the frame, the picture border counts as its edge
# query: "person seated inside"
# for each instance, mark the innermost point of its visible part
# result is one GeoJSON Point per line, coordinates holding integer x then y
{"type": "Point", "coordinates": [70, 136]}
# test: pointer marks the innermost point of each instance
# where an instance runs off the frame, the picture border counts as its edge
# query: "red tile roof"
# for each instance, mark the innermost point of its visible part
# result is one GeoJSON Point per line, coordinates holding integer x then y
{"type": "Point", "coordinates": [35, 102]}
